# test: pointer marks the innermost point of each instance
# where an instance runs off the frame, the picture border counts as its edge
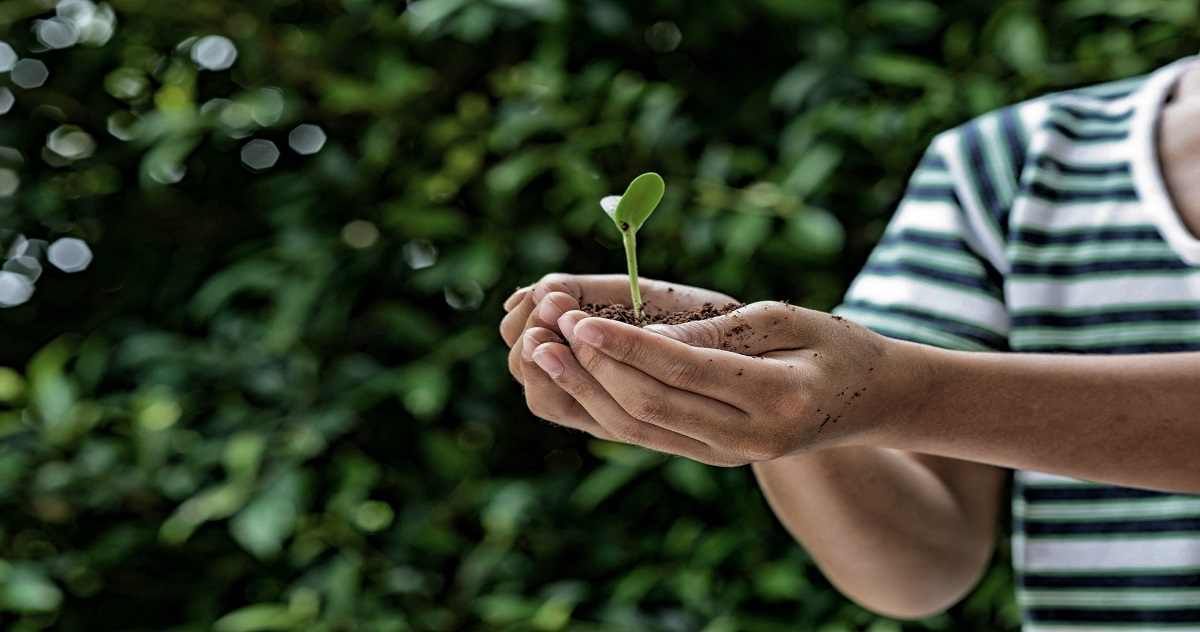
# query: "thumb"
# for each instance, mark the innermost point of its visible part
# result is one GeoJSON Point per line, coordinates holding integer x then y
{"type": "Point", "coordinates": [751, 330]}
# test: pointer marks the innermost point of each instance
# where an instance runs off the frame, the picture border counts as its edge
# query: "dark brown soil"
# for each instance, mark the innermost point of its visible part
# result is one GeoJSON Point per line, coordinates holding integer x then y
{"type": "Point", "coordinates": [625, 314]}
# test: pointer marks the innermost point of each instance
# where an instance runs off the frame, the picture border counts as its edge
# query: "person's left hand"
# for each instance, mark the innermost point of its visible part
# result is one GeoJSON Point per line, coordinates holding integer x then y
{"type": "Point", "coordinates": [763, 382]}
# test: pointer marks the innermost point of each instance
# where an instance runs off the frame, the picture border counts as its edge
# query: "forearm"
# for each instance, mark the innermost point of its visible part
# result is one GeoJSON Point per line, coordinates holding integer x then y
{"type": "Point", "coordinates": [903, 534]}
{"type": "Point", "coordinates": [1125, 420]}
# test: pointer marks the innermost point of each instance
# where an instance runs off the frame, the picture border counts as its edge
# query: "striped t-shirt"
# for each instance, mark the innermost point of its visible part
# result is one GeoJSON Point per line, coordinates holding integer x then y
{"type": "Point", "coordinates": [1046, 227]}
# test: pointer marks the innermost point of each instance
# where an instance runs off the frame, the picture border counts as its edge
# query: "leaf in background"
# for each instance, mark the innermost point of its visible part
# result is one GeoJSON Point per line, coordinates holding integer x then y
{"type": "Point", "coordinates": [25, 588]}
{"type": "Point", "coordinates": [259, 617]}
{"type": "Point", "coordinates": [263, 524]}
{"type": "Point", "coordinates": [12, 386]}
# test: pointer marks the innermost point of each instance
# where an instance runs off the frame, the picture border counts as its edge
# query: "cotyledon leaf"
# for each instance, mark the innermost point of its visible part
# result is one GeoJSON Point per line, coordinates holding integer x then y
{"type": "Point", "coordinates": [629, 211]}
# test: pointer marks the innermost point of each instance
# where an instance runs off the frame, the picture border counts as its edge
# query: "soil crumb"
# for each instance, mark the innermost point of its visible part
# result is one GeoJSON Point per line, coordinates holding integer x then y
{"type": "Point", "coordinates": [625, 314]}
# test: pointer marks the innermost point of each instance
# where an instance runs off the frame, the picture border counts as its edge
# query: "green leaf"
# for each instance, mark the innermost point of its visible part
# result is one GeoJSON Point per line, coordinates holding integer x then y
{"type": "Point", "coordinates": [255, 617]}
{"type": "Point", "coordinates": [263, 525]}
{"type": "Point", "coordinates": [26, 589]}
{"type": "Point", "coordinates": [638, 202]}
{"type": "Point", "coordinates": [12, 385]}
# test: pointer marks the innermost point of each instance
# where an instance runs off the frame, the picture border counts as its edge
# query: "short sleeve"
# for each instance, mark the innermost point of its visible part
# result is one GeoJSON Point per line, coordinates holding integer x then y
{"type": "Point", "coordinates": [928, 280]}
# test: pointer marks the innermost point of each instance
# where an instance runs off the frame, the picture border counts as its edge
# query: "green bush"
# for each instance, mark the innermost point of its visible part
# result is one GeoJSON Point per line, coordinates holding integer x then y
{"type": "Point", "coordinates": [276, 400]}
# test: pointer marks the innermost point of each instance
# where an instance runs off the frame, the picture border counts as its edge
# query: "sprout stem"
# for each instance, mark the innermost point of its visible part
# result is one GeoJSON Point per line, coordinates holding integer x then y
{"type": "Point", "coordinates": [630, 239]}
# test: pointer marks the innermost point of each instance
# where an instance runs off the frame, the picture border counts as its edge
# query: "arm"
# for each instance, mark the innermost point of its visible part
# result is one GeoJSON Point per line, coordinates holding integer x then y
{"type": "Point", "coordinates": [1124, 420]}
{"type": "Point", "coordinates": [902, 533]}
{"type": "Point", "coordinates": [925, 521]}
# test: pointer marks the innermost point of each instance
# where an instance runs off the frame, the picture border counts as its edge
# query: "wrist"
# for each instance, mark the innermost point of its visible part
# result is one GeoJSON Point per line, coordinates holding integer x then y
{"type": "Point", "coordinates": [906, 380]}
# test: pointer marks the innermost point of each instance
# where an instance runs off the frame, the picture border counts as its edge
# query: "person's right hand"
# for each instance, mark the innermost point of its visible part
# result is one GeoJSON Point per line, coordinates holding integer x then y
{"type": "Point", "coordinates": [532, 319]}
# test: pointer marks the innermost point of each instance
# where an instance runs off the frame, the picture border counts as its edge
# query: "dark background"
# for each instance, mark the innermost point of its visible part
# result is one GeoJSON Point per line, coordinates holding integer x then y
{"type": "Point", "coordinates": [276, 399]}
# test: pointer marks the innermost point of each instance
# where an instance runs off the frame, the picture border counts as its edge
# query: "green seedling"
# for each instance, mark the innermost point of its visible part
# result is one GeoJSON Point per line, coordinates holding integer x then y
{"type": "Point", "coordinates": [629, 212]}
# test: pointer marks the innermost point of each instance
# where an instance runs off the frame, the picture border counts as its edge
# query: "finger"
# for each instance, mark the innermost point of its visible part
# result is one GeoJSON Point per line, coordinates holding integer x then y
{"type": "Point", "coordinates": [613, 289]}
{"type": "Point", "coordinates": [512, 326]}
{"type": "Point", "coordinates": [647, 399]}
{"type": "Point", "coordinates": [544, 398]}
{"type": "Point", "coordinates": [527, 315]}
{"type": "Point", "coordinates": [560, 364]}
{"type": "Point", "coordinates": [752, 330]}
{"type": "Point", "coordinates": [513, 323]}
{"type": "Point", "coordinates": [713, 373]}
{"type": "Point", "coordinates": [551, 308]}
{"type": "Point", "coordinates": [516, 297]}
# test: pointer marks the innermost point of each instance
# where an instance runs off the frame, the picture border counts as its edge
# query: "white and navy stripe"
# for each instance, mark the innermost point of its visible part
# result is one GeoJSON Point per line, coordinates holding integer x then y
{"type": "Point", "coordinates": [1045, 227]}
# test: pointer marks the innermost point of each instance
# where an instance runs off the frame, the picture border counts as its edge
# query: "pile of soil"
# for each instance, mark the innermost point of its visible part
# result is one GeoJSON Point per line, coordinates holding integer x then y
{"type": "Point", "coordinates": [625, 314]}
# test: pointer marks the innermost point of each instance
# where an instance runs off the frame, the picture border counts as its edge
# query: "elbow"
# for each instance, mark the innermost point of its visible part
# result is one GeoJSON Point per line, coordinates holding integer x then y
{"type": "Point", "coordinates": [904, 607]}
{"type": "Point", "coordinates": [908, 596]}
{"type": "Point", "coordinates": [908, 610]}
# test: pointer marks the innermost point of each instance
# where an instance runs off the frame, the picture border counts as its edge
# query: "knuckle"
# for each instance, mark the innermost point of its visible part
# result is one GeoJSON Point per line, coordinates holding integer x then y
{"type": "Point", "coordinates": [622, 347]}
{"type": "Point", "coordinates": [514, 364]}
{"type": "Point", "coordinates": [705, 334]}
{"type": "Point", "coordinates": [759, 449]}
{"type": "Point", "coordinates": [683, 375]}
{"type": "Point", "coordinates": [627, 433]}
{"type": "Point", "coordinates": [558, 282]}
{"type": "Point", "coordinates": [653, 410]}
{"type": "Point", "coordinates": [538, 410]}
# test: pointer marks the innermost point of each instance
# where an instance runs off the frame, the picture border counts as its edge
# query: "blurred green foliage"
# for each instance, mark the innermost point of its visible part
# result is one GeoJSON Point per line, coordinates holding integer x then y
{"type": "Point", "coordinates": [276, 399]}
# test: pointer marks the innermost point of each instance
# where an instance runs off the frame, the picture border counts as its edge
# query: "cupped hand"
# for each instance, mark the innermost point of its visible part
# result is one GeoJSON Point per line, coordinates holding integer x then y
{"type": "Point", "coordinates": [532, 319]}
{"type": "Point", "coordinates": [765, 381]}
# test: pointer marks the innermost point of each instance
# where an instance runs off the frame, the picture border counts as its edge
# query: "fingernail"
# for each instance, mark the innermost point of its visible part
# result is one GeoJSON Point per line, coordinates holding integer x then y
{"type": "Point", "coordinates": [528, 345]}
{"type": "Point", "coordinates": [546, 287]}
{"type": "Point", "coordinates": [590, 334]}
{"type": "Point", "coordinates": [555, 306]}
{"type": "Point", "coordinates": [549, 312]}
{"type": "Point", "coordinates": [666, 330]}
{"type": "Point", "coordinates": [548, 363]}
{"type": "Point", "coordinates": [567, 322]}
{"type": "Point", "coordinates": [516, 299]}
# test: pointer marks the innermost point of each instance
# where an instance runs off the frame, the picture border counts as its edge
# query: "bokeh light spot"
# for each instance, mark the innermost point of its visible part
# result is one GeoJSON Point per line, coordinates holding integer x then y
{"type": "Point", "coordinates": [121, 124]}
{"type": "Point", "coordinates": [6, 100]}
{"type": "Point", "coordinates": [95, 24]}
{"type": "Point", "coordinates": [166, 172]}
{"type": "Point", "coordinates": [29, 248]}
{"type": "Point", "coordinates": [8, 57]}
{"type": "Point", "coordinates": [214, 52]}
{"type": "Point", "coordinates": [10, 157]}
{"type": "Point", "coordinates": [69, 254]}
{"type": "Point", "coordinates": [360, 234]}
{"type": "Point", "coordinates": [419, 253]}
{"type": "Point", "coordinates": [464, 296]}
{"type": "Point", "coordinates": [15, 289]}
{"type": "Point", "coordinates": [71, 142]}
{"type": "Point", "coordinates": [126, 83]}
{"type": "Point", "coordinates": [79, 12]}
{"type": "Point", "coordinates": [306, 139]}
{"type": "Point", "coordinates": [25, 266]}
{"type": "Point", "coordinates": [267, 106]}
{"type": "Point", "coordinates": [260, 154]}
{"type": "Point", "coordinates": [236, 115]}
{"type": "Point", "coordinates": [664, 37]}
{"type": "Point", "coordinates": [56, 33]}
{"type": "Point", "coordinates": [29, 73]}
{"type": "Point", "coordinates": [9, 182]}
